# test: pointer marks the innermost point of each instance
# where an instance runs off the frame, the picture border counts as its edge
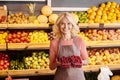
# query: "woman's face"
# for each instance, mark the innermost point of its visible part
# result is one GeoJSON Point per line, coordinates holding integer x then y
{"type": "Point", "coordinates": [65, 26]}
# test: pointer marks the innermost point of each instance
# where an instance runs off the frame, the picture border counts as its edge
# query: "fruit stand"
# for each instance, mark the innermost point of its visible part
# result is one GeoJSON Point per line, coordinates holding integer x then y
{"type": "Point", "coordinates": [24, 44]}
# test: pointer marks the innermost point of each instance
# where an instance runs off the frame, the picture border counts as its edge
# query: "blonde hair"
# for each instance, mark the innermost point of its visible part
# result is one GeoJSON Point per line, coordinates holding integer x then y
{"type": "Point", "coordinates": [67, 15]}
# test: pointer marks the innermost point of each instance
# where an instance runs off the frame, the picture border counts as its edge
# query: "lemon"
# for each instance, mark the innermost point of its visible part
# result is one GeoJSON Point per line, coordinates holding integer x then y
{"type": "Point", "coordinates": [90, 21]}
{"type": "Point", "coordinates": [94, 8]}
{"type": "Point", "coordinates": [99, 12]}
{"type": "Point", "coordinates": [108, 3]}
{"type": "Point", "coordinates": [102, 5]}
{"type": "Point", "coordinates": [89, 10]}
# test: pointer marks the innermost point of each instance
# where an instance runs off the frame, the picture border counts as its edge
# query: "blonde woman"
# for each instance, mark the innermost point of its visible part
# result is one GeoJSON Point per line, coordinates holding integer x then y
{"type": "Point", "coordinates": [67, 51]}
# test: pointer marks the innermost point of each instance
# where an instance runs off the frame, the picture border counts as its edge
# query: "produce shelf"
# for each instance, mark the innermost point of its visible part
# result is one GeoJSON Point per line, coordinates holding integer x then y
{"type": "Point", "coordinates": [99, 25]}
{"type": "Point", "coordinates": [3, 26]}
{"type": "Point", "coordinates": [108, 43]}
{"type": "Point", "coordinates": [23, 46]}
{"type": "Point", "coordinates": [112, 25]}
{"type": "Point", "coordinates": [2, 47]}
{"type": "Point", "coordinates": [26, 72]}
{"type": "Point", "coordinates": [38, 46]}
{"type": "Point", "coordinates": [35, 72]}
{"type": "Point", "coordinates": [28, 26]}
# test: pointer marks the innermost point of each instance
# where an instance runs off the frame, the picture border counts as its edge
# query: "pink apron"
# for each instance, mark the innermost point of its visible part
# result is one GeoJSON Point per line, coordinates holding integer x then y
{"type": "Point", "coordinates": [69, 73]}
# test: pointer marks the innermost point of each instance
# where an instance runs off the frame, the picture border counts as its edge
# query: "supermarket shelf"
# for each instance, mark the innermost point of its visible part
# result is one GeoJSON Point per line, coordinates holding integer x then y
{"type": "Point", "coordinates": [2, 47]}
{"type": "Point", "coordinates": [95, 68]}
{"type": "Point", "coordinates": [114, 43]}
{"type": "Point", "coordinates": [35, 72]}
{"type": "Point", "coordinates": [26, 72]}
{"type": "Point", "coordinates": [24, 46]}
{"type": "Point", "coordinates": [98, 25]}
{"type": "Point", "coordinates": [28, 26]}
{"type": "Point", "coordinates": [112, 25]}
{"type": "Point", "coordinates": [89, 44]}
{"type": "Point", "coordinates": [3, 26]}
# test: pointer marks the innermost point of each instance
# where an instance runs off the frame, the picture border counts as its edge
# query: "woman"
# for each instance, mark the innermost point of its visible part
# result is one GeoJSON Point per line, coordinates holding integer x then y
{"type": "Point", "coordinates": [67, 50]}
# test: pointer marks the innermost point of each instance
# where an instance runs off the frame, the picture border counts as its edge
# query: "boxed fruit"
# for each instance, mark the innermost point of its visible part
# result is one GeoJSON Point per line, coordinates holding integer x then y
{"type": "Point", "coordinates": [3, 14]}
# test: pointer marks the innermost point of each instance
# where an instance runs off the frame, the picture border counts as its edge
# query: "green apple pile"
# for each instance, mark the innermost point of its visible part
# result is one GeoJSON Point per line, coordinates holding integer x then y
{"type": "Point", "coordinates": [38, 60]}
{"type": "Point", "coordinates": [16, 65]}
{"type": "Point", "coordinates": [38, 36]}
{"type": "Point", "coordinates": [82, 17]}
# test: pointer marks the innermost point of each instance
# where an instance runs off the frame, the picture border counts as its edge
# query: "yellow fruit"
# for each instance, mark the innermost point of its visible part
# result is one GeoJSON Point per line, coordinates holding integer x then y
{"type": "Point", "coordinates": [116, 77]}
{"type": "Point", "coordinates": [89, 10]}
{"type": "Point", "coordinates": [101, 21]}
{"type": "Point", "coordinates": [102, 5]}
{"type": "Point", "coordinates": [93, 13]}
{"type": "Point", "coordinates": [113, 3]}
{"type": "Point", "coordinates": [99, 12]}
{"type": "Point", "coordinates": [100, 8]}
{"type": "Point", "coordinates": [90, 21]}
{"type": "Point", "coordinates": [52, 18]}
{"type": "Point", "coordinates": [108, 3]}
{"type": "Point", "coordinates": [36, 21]}
{"type": "Point", "coordinates": [104, 17]}
{"type": "Point", "coordinates": [42, 19]}
{"type": "Point", "coordinates": [46, 10]}
{"type": "Point", "coordinates": [91, 17]}
{"type": "Point", "coordinates": [94, 8]}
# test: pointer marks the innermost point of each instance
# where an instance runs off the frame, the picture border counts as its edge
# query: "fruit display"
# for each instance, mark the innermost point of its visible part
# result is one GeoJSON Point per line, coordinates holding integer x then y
{"type": "Point", "coordinates": [108, 12]}
{"type": "Point", "coordinates": [38, 37]}
{"type": "Point", "coordinates": [4, 61]}
{"type": "Point", "coordinates": [18, 37]}
{"type": "Point", "coordinates": [82, 17]}
{"type": "Point", "coordinates": [75, 17]}
{"type": "Point", "coordinates": [16, 65]}
{"type": "Point", "coordinates": [100, 35]}
{"type": "Point", "coordinates": [3, 35]}
{"type": "Point", "coordinates": [42, 19]}
{"type": "Point", "coordinates": [52, 18]}
{"type": "Point", "coordinates": [46, 10]}
{"type": "Point", "coordinates": [38, 60]}
{"type": "Point", "coordinates": [2, 19]}
{"type": "Point", "coordinates": [104, 56]}
{"type": "Point", "coordinates": [115, 77]}
{"type": "Point", "coordinates": [17, 18]}
{"type": "Point", "coordinates": [3, 14]}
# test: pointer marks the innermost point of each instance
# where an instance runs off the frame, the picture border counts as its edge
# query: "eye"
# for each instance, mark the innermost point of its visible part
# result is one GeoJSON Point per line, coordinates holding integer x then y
{"type": "Point", "coordinates": [69, 23]}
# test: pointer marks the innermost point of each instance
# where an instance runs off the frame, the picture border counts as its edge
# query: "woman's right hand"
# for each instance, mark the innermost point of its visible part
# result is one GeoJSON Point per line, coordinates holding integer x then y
{"type": "Point", "coordinates": [51, 36]}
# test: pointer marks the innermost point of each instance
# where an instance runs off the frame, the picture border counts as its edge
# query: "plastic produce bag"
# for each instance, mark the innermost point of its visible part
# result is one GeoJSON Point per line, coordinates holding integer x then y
{"type": "Point", "coordinates": [105, 73]}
